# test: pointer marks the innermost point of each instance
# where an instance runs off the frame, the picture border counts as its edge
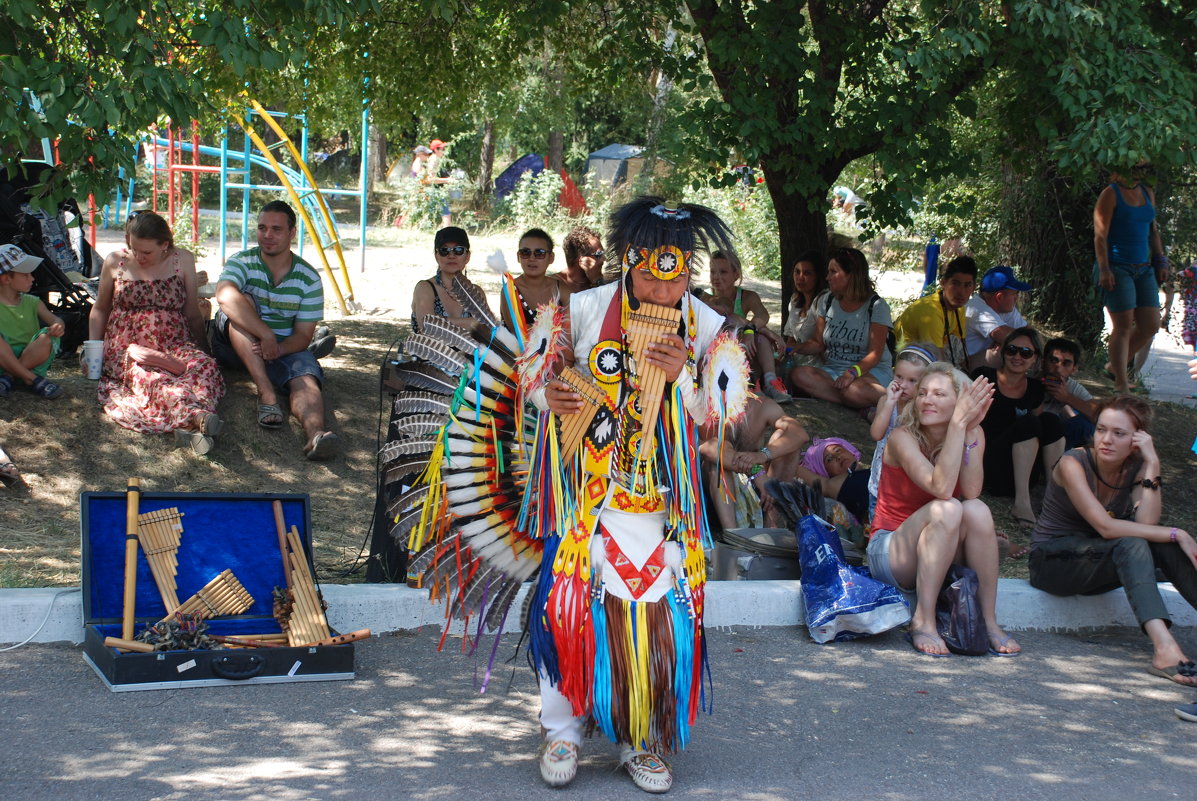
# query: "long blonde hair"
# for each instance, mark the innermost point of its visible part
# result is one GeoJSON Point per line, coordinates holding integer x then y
{"type": "Point", "coordinates": [910, 418]}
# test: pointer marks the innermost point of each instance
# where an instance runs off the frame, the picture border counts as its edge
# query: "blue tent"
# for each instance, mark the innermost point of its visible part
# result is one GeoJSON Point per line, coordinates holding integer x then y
{"type": "Point", "coordinates": [505, 183]}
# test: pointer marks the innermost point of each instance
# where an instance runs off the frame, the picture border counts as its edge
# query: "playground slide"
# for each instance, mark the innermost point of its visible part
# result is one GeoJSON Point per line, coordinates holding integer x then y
{"type": "Point", "coordinates": [318, 217]}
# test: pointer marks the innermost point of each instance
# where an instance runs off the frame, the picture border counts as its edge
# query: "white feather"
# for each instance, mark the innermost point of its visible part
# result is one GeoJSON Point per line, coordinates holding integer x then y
{"type": "Point", "coordinates": [497, 262]}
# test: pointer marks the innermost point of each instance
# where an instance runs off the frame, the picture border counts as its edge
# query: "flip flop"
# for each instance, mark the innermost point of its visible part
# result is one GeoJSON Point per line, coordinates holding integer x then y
{"type": "Point", "coordinates": [199, 442]}
{"type": "Point", "coordinates": [10, 475]}
{"type": "Point", "coordinates": [1185, 669]}
{"type": "Point", "coordinates": [910, 636]}
{"type": "Point", "coordinates": [1001, 643]}
{"type": "Point", "coordinates": [266, 411]}
{"type": "Point", "coordinates": [324, 446]}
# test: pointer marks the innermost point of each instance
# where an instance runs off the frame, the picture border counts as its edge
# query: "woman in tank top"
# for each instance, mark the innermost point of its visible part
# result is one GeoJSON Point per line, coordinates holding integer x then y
{"type": "Point", "coordinates": [1100, 529]}
{"type": "Point", "coordinates": [928, 513]}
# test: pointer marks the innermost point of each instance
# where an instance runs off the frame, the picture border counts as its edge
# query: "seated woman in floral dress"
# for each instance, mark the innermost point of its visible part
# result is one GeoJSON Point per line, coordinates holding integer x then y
{"type": "Point", "coordinates": [158, 376]}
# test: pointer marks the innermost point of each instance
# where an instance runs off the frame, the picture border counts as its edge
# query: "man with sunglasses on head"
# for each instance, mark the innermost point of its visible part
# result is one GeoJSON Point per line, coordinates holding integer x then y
{"type": "Point", "coordinates": [940, 318]}
{"type": "Point", "coordinates": [992, 315]}
{"type": "Point", "coordinates": [584, 259]}
{"type": "Point", "coordinates": [1067, 398]}
{"type": "Point", "coordinates": [270, 303]}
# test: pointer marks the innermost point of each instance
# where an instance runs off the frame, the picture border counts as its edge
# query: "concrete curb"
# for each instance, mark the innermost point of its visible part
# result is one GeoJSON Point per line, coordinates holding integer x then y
{"type": "Point", "coordinates": [390, 607]}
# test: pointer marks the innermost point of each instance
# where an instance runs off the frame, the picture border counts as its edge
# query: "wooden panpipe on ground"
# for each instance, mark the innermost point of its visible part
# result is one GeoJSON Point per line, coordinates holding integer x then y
{"type": "Point", "coordinates": [573, 426]}
{"type": "Point", "coordinates": [306, 623]}
{"type": "Point", "coordinates": [159, 533]}
{"type": "Point", "coordinates": [223, 595]}
{"type": "Point", "coordinates": [647, 325]}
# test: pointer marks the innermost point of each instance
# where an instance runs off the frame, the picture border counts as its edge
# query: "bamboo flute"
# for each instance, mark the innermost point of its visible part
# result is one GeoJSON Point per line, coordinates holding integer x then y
{"type": "Point", "coordinates": [132, 498]}
{"type": "Point", "coordinates": [280, 528]}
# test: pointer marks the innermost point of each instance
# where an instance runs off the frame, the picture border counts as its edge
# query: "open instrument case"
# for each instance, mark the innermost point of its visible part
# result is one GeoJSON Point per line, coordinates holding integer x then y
{"type": "Point", "coordinates": [220, 532]}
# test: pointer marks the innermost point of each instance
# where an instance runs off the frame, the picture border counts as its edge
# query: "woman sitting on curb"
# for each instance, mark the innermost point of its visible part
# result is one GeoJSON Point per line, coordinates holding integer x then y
{"type": "Point", "coordinates": [1100, 529]}
{"type": "Point", "coordinates": [928, 515]}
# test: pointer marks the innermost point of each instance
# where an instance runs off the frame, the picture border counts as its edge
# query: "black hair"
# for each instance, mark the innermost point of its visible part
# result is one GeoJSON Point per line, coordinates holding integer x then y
{"type": "Point", "coordinates": [960, 264]}
{"type": "Point", "coordinates": [282, 207]}
{"type": "Point", "coordinates": [1064, 346]}
{"type": "Point", "coordinates": [537, 233]}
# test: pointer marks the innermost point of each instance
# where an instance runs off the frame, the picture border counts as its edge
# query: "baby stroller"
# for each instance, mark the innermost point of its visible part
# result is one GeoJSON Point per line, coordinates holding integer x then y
{"type": "Point", "coordinates": [39, 234]}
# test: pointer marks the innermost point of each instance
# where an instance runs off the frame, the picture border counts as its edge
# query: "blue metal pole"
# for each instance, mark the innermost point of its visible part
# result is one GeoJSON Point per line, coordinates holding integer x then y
{"type": "Point", "coordinates": [224, 189]}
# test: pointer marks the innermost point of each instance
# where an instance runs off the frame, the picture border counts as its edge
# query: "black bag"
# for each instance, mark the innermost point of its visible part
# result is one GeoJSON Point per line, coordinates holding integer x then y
{"type": "Point", "coordinates": [958, 613]}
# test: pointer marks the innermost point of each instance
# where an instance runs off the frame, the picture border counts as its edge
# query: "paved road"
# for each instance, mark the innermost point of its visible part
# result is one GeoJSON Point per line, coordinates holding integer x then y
{"type": "Point", "coordinates": [1076, 717]}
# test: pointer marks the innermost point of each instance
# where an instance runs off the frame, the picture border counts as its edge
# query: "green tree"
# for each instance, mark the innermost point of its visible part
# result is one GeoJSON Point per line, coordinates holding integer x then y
{"type": "Point", "coordinates": [92, 74]}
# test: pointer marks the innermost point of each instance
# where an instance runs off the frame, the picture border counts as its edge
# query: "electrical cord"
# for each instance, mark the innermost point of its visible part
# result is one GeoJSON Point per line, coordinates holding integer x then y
{"type": "Point", "coordinates": [378, 441]}
{"type": "Point", "coordinates": [45, 619]}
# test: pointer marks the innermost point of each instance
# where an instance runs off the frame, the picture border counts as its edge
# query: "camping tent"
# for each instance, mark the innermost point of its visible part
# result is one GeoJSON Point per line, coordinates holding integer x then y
{"type": "Point", "coordinates": [617, 164]}
{"type": "Point", "coordinates": [507, 179]}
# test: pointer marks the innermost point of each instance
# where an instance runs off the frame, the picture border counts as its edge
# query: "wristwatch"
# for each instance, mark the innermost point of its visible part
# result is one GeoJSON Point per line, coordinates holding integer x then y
{"type": "Point", "coordinates": [767, 453]}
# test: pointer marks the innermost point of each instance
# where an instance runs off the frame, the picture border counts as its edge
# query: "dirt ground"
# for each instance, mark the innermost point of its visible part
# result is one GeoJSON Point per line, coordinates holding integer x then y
{"type": "Point", "coordinates": [67, 446]}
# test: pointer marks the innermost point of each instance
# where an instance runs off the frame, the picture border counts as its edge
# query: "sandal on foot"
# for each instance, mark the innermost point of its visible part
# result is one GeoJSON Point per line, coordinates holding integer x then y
{"type": "Point", "coordinates": [559, 763]}
{"type": "Point", "coordinates": [997, 643]}
{"type": "Point", "coordinates": [323, 446]}
{"type": "Point", "coordinates": [270, 415]}
{"type": "Point", "coordinates": [209, 423]}
{"type": "Point", "coordinates": [913, 634]}
{"type": "Point", "coordinates": [45, 388]}
{"type": "Point", "coordinates": [199, 442]}
{"type": "Point", "coordinates": [10, 475]}
{"type": "Point", "coordinates": [1186, 670]}
{"type": "Point", "coordinates": [649, 772]}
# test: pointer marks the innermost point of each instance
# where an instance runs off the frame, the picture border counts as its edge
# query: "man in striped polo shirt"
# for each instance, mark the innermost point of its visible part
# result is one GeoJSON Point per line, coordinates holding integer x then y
{"type": "Point", "coordinates": [270, 302]}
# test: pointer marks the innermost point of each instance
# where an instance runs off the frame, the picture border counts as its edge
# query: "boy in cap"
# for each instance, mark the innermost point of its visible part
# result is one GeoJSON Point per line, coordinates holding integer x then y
{"type": "Point", "coordinates": [29, 333]}
{"type": "Point", "coordinates": [992, 315]}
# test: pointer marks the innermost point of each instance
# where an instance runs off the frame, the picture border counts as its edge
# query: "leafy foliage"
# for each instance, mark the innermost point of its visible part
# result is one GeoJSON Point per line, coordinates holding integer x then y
{"type": "Point", "coordinates": [92, 74]}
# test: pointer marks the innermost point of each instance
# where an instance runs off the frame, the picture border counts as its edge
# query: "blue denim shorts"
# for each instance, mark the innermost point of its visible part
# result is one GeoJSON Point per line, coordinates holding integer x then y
{"type": "Point", "coordinates": [1135, 287]}
{"type": "Point", "coordinates": [878, 559]}
{"type": "Point", "coordinates": [280, 371]}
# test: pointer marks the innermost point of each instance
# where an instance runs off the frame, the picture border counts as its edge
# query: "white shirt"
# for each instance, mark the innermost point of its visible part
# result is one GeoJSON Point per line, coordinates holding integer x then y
{"type": "Point", "coordinates": [983, 321]}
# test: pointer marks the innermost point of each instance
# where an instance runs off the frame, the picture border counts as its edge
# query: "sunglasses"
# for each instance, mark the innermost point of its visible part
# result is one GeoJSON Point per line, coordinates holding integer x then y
{"type": "Point", "coordinates": [1026, 353]}
{"type": "Point", "coordinates": [456, 250]}
{"type": "Point", "coordinates": [598, 255]}
{"type": "Point", "coordinates": [525, 253]}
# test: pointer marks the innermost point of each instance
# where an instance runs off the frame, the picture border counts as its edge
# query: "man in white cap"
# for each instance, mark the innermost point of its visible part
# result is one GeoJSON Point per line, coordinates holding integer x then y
{"type": "Point", "coordinates": [29, 333]}
{"type": "Point", "coordinates": [991, 315]}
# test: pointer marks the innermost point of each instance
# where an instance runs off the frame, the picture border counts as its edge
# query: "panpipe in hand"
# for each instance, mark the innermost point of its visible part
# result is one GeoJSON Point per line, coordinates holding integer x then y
{"type": "Point", "coordinates": [159, 533]}
{"type": "Point", "coordinates": [573, 426]}
{"type": "Point", "coordinates": [306, 623]}
{"type": "Point", "coordinates": [223, 595]}
{"type": "Point", "coordinates": [645, 326]}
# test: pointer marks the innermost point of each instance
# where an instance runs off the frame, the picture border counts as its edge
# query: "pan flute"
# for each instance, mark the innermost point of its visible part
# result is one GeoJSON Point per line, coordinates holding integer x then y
{"type": "Point", "coordinates": [645, 326]}
{"type": "Point", "coordinates": [306, 623]}
{"type": "Point", "coordinates": [573, 426]}
{"type": "Point", "coordinates": [159, 533]}
{"type": "Point", "coordinates": [223, 595]}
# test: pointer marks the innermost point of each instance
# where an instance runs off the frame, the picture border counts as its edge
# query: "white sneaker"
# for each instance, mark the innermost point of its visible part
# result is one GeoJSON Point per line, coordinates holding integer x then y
{"type": "Point", "coordinates": [559, 763]}
{"type": "Point", "coordinates": [649, 772]}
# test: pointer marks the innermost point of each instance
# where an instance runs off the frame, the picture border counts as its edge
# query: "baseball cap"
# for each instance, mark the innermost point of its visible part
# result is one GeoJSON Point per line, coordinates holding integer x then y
{"type": "Point", "coordinates": [451, 234]}
{"type": "Point", "coordinates": [1002, 277]}
{"type": "Point", "coordinates": [15, 260]}
{"type": "Point", "coordinates": [435, 143]}
{"type": "Point", "coordinates": [422, 151]}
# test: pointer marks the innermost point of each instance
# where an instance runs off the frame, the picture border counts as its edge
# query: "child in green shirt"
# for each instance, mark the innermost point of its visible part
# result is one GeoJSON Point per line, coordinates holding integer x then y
{"type": "Point", "coordinates": [29, 333]}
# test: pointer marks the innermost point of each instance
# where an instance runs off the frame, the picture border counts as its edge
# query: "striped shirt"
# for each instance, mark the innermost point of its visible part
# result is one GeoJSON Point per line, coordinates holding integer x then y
{"type": "Point", "coordinates": [298, 298]}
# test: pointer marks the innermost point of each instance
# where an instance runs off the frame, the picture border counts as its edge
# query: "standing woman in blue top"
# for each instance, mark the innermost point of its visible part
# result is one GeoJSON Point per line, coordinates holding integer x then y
{"type": "Point", "coordinates": [1130, 266]}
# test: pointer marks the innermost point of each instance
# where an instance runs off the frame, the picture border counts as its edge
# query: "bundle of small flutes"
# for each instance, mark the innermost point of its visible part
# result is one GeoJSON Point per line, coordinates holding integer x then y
{"type": "Point", "coordinates": [306, 622]}
{"type": "Point", "coordinates": [223, 595]}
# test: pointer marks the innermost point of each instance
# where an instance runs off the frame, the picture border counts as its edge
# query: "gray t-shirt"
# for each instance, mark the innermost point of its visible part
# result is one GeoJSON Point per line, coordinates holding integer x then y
{"type": "Point", "coordinates": [1077, 390]}
{"type": "Point", "coordinates": [846, 334]}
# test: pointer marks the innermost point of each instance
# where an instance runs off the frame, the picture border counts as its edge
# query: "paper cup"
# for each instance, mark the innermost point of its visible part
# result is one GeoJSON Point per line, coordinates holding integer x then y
{"type": "Point", "coordinates": [93, 357]}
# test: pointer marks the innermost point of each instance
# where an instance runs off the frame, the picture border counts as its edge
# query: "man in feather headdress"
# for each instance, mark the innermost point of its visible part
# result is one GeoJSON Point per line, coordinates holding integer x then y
{"type": "Point", "coordinates": [616, 627]}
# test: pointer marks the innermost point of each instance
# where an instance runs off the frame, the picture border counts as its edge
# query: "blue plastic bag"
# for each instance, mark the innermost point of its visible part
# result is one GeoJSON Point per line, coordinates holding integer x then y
{"type": "Point", "coordinates": [842, 602]}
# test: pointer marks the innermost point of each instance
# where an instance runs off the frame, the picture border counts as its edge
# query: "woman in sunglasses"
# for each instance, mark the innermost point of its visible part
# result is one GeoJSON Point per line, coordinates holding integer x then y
{"type": "Point", "coordinates": [437, 295]}
{"type": "Point", "coordinates": [534, 287]}
{"type": "Point", "coordinates": [1022, 439]}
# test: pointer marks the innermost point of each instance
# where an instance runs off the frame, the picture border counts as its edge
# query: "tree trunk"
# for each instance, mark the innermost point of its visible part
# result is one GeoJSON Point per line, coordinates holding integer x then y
{"type": "Point", "coordinates": [486, 166]}
{"type": "Point", "coordinates": [1049, 223]}
{"type": "Point", "coordinates": [556, 156]}
{"type": "Point", "coordinates": [798, 229]}
{"type": "Point", "coordinates": [377, 168]}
